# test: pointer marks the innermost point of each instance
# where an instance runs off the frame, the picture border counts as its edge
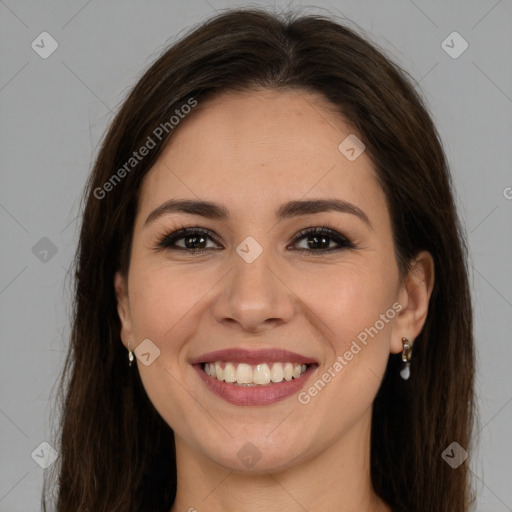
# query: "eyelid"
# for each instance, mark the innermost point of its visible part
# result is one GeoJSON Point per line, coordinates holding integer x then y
{"type": "Point", "coordinates": [321, 230]}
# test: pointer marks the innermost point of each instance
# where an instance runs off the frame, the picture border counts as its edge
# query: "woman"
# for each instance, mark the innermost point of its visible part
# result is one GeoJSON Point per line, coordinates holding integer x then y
{"type": "Point", "coordinates": [272, 309]}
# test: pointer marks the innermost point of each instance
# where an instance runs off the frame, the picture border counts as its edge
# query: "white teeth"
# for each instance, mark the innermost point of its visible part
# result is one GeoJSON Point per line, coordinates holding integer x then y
{"type": "Point", "coordinates": [288, 371]}
{"type": "Point", "coordinates": [276, 374]}
{"type": "Point", "coordinates": [261, 374]}
{"type": "Point", "coordinates": [219, 371]}
{"type": "Point", "coordinates": [244, 374]}
{"type": "Point", "coordinates": [229, 373]}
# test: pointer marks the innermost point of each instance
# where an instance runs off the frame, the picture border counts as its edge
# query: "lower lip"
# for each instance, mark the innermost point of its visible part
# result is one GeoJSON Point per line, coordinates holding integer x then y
{"type": "Point", "coordinates": [255, 395]}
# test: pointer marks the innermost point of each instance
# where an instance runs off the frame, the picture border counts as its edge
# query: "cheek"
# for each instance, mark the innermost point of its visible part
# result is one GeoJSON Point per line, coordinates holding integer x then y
{"type": "Point", "coordinates": [357, 322]}
{"type": "Point", "coordinates": [161, 298]}
{"type": "Point", "coordinates": [347, 299]}
{"type": "Point", "coordinates": [358, 309]}
{"type": "Point", "coordinates": [163, 302]}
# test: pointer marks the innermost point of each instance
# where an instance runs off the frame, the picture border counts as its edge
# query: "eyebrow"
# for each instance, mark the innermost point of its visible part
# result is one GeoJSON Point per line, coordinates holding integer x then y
{"type": "Point", "coordinates": [212, 210]}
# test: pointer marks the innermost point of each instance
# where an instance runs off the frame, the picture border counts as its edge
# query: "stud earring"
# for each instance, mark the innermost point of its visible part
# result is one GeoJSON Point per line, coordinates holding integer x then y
{"type": "Point", "coordinates": [405, 372]}
{"type": "Point", "coordinates": [130, 355]}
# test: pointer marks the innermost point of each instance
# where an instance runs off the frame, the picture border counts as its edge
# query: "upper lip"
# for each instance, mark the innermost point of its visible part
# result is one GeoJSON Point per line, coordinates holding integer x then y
{"type": "Point", "coordinates": [238, 355]}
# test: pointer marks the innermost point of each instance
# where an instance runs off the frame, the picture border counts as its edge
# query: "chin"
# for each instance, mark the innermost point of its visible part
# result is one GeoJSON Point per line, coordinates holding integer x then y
{"type": "Point", "coordinates": [258, 452]}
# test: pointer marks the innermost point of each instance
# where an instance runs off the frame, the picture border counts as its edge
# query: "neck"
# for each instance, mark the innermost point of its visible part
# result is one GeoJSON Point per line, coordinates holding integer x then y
{"type": "Point", "coordinates": [336, 479]}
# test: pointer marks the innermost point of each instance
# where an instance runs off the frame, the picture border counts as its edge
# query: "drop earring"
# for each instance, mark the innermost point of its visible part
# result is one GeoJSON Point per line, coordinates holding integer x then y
{"type": "Point", "coordinates": [130, 355]}
{"type": "Point", "coordinates": [405, 372]}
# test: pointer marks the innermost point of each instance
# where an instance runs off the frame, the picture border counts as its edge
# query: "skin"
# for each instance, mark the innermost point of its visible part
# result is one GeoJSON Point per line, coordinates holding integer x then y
{"type": "Point", "coordinates": [252, 152]}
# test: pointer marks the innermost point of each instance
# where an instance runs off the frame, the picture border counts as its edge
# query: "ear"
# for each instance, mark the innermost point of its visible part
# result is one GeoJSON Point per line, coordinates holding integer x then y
{"type": "Point", "coordinates": [123, 309]}
{"type": "Point", "coordinates": [414, 296]}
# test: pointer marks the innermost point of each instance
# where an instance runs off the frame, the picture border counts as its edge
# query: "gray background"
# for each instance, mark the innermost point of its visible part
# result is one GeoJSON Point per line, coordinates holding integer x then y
{"type": "Point", "coordinates": [55, 111]}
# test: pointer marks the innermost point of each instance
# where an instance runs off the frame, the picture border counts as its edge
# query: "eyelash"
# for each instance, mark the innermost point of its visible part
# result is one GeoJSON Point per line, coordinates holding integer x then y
{"type": "Point", "coordinates": [167, 241]}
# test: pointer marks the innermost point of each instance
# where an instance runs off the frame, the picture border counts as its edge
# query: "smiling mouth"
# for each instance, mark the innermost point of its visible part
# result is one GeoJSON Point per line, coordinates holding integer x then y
{"type": "Point", "coordinates": [256, 375]}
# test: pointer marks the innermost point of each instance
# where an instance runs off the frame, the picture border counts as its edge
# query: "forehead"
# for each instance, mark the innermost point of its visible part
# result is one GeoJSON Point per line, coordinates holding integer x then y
{"type": "Point", "coordinates": [258, 148]}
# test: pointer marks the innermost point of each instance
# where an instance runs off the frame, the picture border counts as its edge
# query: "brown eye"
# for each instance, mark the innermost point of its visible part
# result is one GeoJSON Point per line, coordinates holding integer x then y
{"type": "Point", "coordinates": [195, 240]}
{"type": "Point", "coordinates": [318, 241]}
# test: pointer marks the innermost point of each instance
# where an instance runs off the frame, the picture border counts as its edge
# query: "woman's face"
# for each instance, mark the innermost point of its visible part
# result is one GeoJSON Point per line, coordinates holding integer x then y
{"type": "Point", "coordinates": [258, 157]}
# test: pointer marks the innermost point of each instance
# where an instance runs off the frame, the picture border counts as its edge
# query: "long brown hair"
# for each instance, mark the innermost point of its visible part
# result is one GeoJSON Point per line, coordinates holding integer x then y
{"type": "Point", "coordinates": [116, 453]}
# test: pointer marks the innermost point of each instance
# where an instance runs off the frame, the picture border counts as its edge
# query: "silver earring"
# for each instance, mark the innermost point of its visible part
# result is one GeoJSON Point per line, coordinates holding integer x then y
{"type": "Point", "coordinates": [130, 355]}
{"type": "Point", "coordinates": [405, 372]}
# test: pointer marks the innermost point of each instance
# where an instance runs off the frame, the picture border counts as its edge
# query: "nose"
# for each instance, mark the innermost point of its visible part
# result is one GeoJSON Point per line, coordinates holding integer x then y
{"type": "Point", "coordinates": [255, 296]}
